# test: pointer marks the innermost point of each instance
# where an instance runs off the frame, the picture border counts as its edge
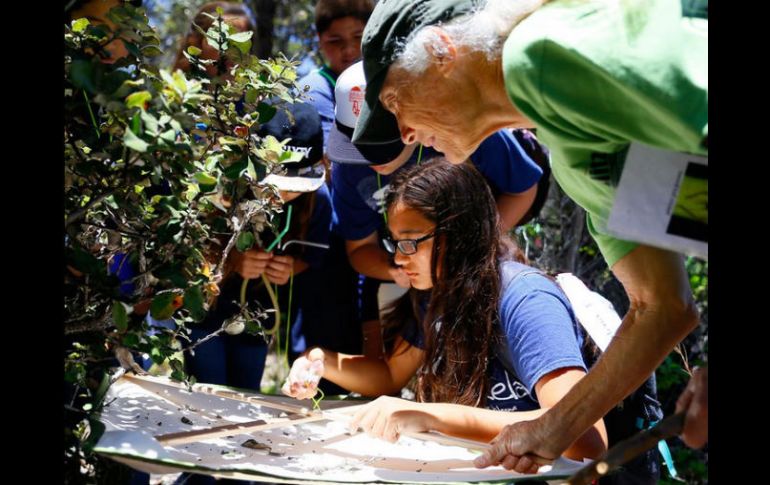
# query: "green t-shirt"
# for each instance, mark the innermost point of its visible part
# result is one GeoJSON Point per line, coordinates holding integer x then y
{"type": "Point", "coordinates": [595, 75]}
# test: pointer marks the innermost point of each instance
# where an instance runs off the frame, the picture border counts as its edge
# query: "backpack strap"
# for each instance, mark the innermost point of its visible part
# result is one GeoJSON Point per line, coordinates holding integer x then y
{"type": "Point", "coordinates": [327, 74]}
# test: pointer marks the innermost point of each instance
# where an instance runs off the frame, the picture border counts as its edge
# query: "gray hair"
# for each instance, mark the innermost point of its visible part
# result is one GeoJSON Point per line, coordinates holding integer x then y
{"type": "Point", "coordinates": [482, 30]}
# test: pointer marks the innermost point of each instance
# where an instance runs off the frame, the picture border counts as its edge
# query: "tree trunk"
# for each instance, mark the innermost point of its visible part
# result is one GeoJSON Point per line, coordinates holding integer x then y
{"type": "Point", "coordinates": [265, 12]}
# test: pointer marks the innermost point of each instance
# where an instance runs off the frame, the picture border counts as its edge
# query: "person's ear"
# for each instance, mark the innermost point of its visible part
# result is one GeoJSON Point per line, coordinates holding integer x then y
{"type": "Point", "coordinates": [442, 50]}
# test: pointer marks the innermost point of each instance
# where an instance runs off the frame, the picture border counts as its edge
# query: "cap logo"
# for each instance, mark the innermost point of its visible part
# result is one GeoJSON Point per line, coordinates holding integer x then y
{"type": "Point", "coordinates": [356, 97]}
{"type": "Point", "coordinates": [304, 151]}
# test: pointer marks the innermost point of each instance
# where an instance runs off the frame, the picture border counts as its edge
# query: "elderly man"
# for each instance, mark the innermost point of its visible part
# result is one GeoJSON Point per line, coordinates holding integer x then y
{"type": "Point", "coordinates": [593, 77]}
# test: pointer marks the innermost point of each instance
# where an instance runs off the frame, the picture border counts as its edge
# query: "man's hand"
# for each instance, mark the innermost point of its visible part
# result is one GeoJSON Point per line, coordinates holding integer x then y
{"type": "Point", "coordinates": [521, 447]}
{"type": "Point", "coordinates": [694, 401]}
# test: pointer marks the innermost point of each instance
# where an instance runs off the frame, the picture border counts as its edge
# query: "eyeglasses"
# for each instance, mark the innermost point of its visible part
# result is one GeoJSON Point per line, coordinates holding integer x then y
{"type": "Point", "coordinates": [405, 246]}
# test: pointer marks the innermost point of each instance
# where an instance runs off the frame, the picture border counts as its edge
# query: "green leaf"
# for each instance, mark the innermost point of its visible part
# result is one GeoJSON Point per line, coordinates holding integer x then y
{"type": "Point", "coordinates": [134, 142]}
{"type": "Point", "coordinates": [241, 36]}
{"type": "Point", "coordinates": [171, 232]}
{"type": "Point", "coordinates": [253, 327]}
{"type": "Point", "coordinates": [151, 123]}
{"type": "Point", "coordinates": [80, 25]}
{"type": "Point", "coordinates": [75, 372]}
{"type": "Point", "coordinates": [130, 340]}
{"type": "Point", "coordinates": [138, 99]}
{"type": "Point", "coordinates": [193, 302]}
{"type": "Point", "coordinates": [110, 202]}
{"type": "Point", "coordinates": [156, 355]}
{"type": "Point", "coordinates": [127, 86]}
{"type": "Point", "coordinates": [85, 262]}
{"type": "Point", "coordinates": [132, 48]}
{"type": "Point", "coordinates": [242, 41]}
{"type": "Point", "coordinates": [246, 241]}
{"type": "Point", "coordinates": [168, 136]}
{"type": "Point", "coordinates": [251, 171]}
{"type": "Point", "coordinates": [119, 316]}
{"type": "Point", "coordinates": [176, 364]}
{"type": "Point", "coordinates": [266, 112]}
{"type": "Point", "coordinates": [101, 391]}
{"type": "Point", "coordinates": [136, 124]}
{"type": "Point", "coordinates": [166, 76]}
{"type": "Point", "coordinates": [204, 178]}
{"type": "Point", "coordinates": [251, 95]}
{"type": "Point", "coordinates": [233, 172]}
{"type": "Point", "coordinates": [180, 81]}
{"type": "Point", "coordinates": [151, 51]}
{"type": "Point", "coordinates": [82, 74]}
{"type": "Point", "coordinates": [194, 51]}
{"type": "Point", "coordinates": [162, 306]}
{"type": "Point", "coordinates": [172, 272]}
{"type": "Point", "coordinates": [97, 430]}
{"type": "Point", "coordinates": [290, 157]}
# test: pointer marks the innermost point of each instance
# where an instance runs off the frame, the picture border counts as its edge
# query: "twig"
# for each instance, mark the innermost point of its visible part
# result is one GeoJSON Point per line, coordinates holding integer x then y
{"type": "Point", "coordinates": [92, 325]}
{"type": "Point", "coordinates": [202, 340]}
{"type": "Point", "coordinates": [233, 429]}
{"type": "Point", "coordinates": [679, 349]}
{"type": "Point", "coordinates": [217, 272]}
{"type": "Point", "coordinates": [82, 212]}
{"type": "Point", "coordinates": [629, 448]}
{"type": "Point", "coordinates": [124, 232]}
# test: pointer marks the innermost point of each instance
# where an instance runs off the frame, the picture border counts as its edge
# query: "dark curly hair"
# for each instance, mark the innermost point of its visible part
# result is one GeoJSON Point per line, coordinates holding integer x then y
{"type": "Point", "coordinates": [460, 325]}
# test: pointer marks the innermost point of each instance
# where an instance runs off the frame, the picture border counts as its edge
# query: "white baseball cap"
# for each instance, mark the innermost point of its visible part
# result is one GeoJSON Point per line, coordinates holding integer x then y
{"type": "Point", "coordinates": [349, 96]}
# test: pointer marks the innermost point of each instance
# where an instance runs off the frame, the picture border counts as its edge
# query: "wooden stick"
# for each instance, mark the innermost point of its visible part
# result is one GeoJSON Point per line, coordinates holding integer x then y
{"type": "Point", "coordinates": [227, 394]}
{"type": "Point", "coordinates": [629, 448]}
{"type": "Point", "coordinates": [424, 435]}
{"type": "Point", "coordinates": [449, 440]}
{"type": "Point", "coordinates": [231, 429]}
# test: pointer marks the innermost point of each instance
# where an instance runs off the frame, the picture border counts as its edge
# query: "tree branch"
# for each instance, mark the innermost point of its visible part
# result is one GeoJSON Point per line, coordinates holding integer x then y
{"type": "Point", "coordinates": [77, 215]}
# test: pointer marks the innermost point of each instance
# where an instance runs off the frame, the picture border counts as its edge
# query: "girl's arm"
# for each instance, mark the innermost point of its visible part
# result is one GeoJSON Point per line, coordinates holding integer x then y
{"type": "Point", "coordinates": [357, 373]}
{"type": "Point", "coordinates": [389, 417]}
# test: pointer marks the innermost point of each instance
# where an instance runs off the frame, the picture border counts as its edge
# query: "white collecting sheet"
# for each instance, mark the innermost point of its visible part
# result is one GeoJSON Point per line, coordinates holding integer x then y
{"type": "Point", "coordinates": [137, 411]}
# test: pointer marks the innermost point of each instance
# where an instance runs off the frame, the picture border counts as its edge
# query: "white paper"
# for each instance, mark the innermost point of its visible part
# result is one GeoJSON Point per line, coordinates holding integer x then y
{"type": "Point", "coordinates": [647, 195]}
{"type": "Point", "coordinates": [320, 450]}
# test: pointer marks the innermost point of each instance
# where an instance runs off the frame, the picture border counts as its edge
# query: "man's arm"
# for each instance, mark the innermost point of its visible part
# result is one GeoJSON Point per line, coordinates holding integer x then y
{"type": "Point", "coordinates": [512, 207]}
{"type": "Point", "coordinates": [661, 314]}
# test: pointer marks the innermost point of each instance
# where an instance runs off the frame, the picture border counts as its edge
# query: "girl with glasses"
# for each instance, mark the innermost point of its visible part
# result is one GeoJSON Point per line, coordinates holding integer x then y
{"type": "Point", "coordinates": [482, 342]}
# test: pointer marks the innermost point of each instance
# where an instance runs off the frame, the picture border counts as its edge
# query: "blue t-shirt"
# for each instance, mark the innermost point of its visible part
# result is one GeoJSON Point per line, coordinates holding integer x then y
{"type": "Point", "coordinates": [541, 335]}
{"type": "Point", "coordinates": [359, 198]}
{"type": "Point", "coordinates": [321, 95]}
{"type": "Point", "coordinates": [319, 227]}
{"type": "Point", "coordinates": [324, 300]}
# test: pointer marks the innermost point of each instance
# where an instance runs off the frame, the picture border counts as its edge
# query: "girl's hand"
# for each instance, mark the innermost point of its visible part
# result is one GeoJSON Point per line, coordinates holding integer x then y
{"type": "Point", "coordinates": [305, 373]}
{"type": "Point", "coordinates": [389, 417]}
